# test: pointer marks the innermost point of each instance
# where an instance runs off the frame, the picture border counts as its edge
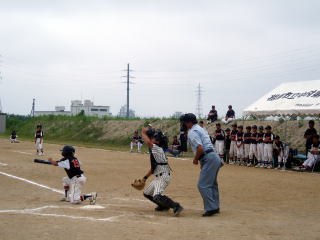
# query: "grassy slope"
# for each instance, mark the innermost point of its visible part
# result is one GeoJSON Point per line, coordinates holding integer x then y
{"type": "Point", "coordinates": [116, 133]}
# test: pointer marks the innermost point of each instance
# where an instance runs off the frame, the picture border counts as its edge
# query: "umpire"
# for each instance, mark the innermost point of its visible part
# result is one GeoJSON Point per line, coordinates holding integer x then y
{"type": "Point", "coordinates": [209, 160]}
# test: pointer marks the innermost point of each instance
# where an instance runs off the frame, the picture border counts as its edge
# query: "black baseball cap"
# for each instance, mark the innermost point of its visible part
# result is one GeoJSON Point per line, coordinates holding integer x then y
{"type": "Point", "coordinates": [254, 126]}
{"type": "Point", "coordinates": [261, 128]}
{"type": "Point", "coordinates": [268, 127]}
{"type": "Point", "coordinates": [248, 127]}
{"type": "Point", "coordinates": [234, 125]}
{"type": "Point", "coordinates": [227, 130]}
{"type": "Point", "coordinates": [188, 117]}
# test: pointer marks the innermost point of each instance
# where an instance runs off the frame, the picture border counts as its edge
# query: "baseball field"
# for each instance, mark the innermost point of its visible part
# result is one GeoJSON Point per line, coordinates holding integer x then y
{"type": "Point", "coordinates": [255, 203]}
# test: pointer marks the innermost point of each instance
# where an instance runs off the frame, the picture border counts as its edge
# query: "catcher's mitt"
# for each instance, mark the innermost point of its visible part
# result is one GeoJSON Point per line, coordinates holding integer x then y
{"type": "Point", "coordinates": [139, 183]}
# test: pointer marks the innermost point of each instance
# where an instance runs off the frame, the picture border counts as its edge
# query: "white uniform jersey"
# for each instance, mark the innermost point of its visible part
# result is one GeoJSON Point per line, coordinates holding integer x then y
{"type": "Point", "coordinates": [161, 158]}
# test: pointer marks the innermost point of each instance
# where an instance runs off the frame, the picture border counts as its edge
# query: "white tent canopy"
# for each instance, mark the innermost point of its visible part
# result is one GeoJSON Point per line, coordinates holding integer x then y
{"type": "Point", "coordinates": [293, 98]}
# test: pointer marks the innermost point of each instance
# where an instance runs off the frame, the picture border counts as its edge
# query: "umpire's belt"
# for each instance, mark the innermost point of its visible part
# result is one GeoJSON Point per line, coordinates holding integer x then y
{"type": "Point", "coordinates": [160, 174]}
{"type": "Point", "coordinates": [206, 152]}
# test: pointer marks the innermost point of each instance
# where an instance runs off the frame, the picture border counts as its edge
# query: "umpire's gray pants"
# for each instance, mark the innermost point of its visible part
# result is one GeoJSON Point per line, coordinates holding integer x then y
{"type": "Point", "coordinates": [208, 185]}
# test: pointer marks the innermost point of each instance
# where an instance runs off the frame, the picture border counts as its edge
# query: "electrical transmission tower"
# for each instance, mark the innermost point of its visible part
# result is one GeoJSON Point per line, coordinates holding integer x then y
{"type": "Point", "coordinates": [33, 107]}
{"type": "Point", "coordinates": [199, 92]}
{"type": "Point", "coordinates": [128, 82]}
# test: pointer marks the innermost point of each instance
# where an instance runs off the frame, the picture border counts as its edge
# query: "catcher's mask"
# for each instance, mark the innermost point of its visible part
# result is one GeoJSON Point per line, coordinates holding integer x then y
{"type": "Point", "coordinates": [68, 151]}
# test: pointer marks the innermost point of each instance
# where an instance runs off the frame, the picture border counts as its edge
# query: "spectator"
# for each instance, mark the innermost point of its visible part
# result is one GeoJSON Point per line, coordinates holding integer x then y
{"type": "Point", "coordinates": [213, 115]}
{"type": "Point", "coordinates": [313, 155]}
{"type": "Point", "coordinates": [175, 147]}
{"type": "Point", "coordinates": [227, 144]}
{"type": "Point", "coordinates": [279, 150]}
{"type": "Point", "coordinates": [136, 141]}
{"type": "Point", "coordinates": [308, 135]}
{"type": "Point", "coordinates": [230, 116]}
{"type": "Point", "coordinates": [219, 135]}
{"type": "Point", "coordinates": [183, 141]}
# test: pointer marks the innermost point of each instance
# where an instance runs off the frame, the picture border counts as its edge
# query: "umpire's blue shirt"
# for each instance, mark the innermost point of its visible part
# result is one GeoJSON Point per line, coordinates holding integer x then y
{"type": "Point", "coordinates": [198, 136]}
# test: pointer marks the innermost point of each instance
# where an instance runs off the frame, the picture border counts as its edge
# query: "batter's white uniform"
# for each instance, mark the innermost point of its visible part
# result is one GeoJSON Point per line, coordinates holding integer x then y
{"type": "Point", "coordinates": [74, 184]}
{"type": "Point", "coordinates": [161, 173]}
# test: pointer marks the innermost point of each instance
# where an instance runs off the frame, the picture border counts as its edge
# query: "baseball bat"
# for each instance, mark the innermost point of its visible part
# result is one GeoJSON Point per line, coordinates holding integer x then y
{"type": "Point", "coordinates": [42, 161]}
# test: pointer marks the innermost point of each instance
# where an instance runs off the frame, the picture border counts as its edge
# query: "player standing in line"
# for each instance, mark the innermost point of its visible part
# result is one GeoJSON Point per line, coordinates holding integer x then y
{"type": "Point", "coordinates": [253, 145]}
{"type": "Point", "coordinates": [209, 160]}
{"type": "Point", "coordinates": [280, 149]}
{"type": "Point", "coordinates": [220, 137]}
{"type": "Point", "coordinates": [247, 144]}
{"type": "Point", "coordinates": [268, 140]}
{"type": "Point", "coordinates": [233, 145]}
{"type": "Point", "coordinates": [239, 141]}
{"type": "Point", "coordinates": [161, 170]}
{"type": "Point", "coordinates": [136, 141]}
{"type": "Point", "coordinates": [75, 180]}
{"type": "Point", "coordinates": [38, 140]}
{"type": "Point", "coordinates": [227, 144]}
{"type": "Point", "coordinates": [260, 148]}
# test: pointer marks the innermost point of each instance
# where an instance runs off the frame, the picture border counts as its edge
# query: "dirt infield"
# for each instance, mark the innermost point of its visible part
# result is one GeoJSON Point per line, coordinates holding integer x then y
{"type": "Point", "coordinates": [256, 203]}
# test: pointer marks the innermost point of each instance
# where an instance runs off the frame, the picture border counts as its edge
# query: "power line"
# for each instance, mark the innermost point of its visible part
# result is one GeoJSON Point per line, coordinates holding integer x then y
{"type": "Point", "coordinates": [199, 101]}
{"type": "Point", "coordinates": [128, 82]}
{"type": "Point", "coordinates": [33, 107]}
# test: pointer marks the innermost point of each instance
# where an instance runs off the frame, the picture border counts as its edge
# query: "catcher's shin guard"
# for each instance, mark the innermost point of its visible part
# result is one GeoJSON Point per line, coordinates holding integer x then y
{"type": "Point", "coordinates": [164, 201]}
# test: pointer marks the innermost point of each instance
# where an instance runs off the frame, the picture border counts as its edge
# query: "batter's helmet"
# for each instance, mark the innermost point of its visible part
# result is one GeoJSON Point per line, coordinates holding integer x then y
{"type": "Point", "coordinates": [68, 151]}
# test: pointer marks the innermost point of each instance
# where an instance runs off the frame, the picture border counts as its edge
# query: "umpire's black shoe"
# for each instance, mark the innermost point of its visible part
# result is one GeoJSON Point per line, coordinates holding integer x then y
{"type": "Point", "coordinates": [177, 209]}
{"type": "Point", "coordinates": [160, 209]}
{"type": "Point", "coordinates": [211, 212]}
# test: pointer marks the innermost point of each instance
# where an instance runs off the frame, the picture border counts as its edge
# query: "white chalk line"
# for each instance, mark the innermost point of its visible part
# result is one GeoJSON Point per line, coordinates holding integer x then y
{"type": "Point", "coordinates": [36, 211]}
{"type": "Point", "coordinates": [3, 164]}
{"type": "Point", "coordinates": [33, 183]}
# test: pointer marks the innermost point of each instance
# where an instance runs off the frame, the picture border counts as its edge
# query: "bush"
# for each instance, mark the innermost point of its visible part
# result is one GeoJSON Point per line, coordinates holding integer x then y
{"type": "Point", "coordinates": [281, 120]}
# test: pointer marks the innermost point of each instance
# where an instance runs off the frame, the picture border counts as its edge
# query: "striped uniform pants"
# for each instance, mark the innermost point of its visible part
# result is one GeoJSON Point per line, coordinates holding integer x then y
{"type": "Point", "coordinates": [157, 185]}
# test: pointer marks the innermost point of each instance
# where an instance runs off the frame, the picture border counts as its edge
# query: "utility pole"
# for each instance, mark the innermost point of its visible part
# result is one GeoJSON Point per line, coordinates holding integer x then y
{"type": "Point", "coordinates": [128, 82]}
{"type": "Point", "coordinates": [33, 107]}
{"type": "Point", "coordinates": [199, 101]}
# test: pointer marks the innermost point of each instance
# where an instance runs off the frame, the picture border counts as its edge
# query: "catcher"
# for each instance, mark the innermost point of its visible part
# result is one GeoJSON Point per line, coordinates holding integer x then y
{"type": "Point", "coordinates": [160, 169]}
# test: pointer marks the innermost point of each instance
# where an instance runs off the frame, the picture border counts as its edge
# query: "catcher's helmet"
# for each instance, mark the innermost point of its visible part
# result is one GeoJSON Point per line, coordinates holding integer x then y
{"type": "Point", "coordinates": [68, 151]}
{"type": "Point", "coordinates": [188, 117]}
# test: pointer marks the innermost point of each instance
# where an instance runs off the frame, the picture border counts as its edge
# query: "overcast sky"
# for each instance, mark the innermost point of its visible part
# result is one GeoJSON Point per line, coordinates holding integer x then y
{"type": "Point", "coordinates": [58, 51]}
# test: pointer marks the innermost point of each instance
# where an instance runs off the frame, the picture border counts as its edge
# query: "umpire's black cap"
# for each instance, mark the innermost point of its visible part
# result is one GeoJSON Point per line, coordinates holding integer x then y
{"type": "Point", "coordinates": [188, 117]}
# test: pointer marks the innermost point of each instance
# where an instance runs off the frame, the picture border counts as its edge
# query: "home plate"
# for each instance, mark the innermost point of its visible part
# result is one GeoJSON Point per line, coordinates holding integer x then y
{"type": "Point", "coordinates": [92, 207]}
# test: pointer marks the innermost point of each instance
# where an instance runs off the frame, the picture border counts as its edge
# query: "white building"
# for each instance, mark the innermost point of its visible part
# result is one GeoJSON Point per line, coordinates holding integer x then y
{"type": "Point", "coordinates": [59, 110]}
{"type": "Point", "coordinates": [89, 109]}
{"type": "Point", "coordinates": [77, 106]}
{"type": "Point", "coordinates": [123, 112]}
